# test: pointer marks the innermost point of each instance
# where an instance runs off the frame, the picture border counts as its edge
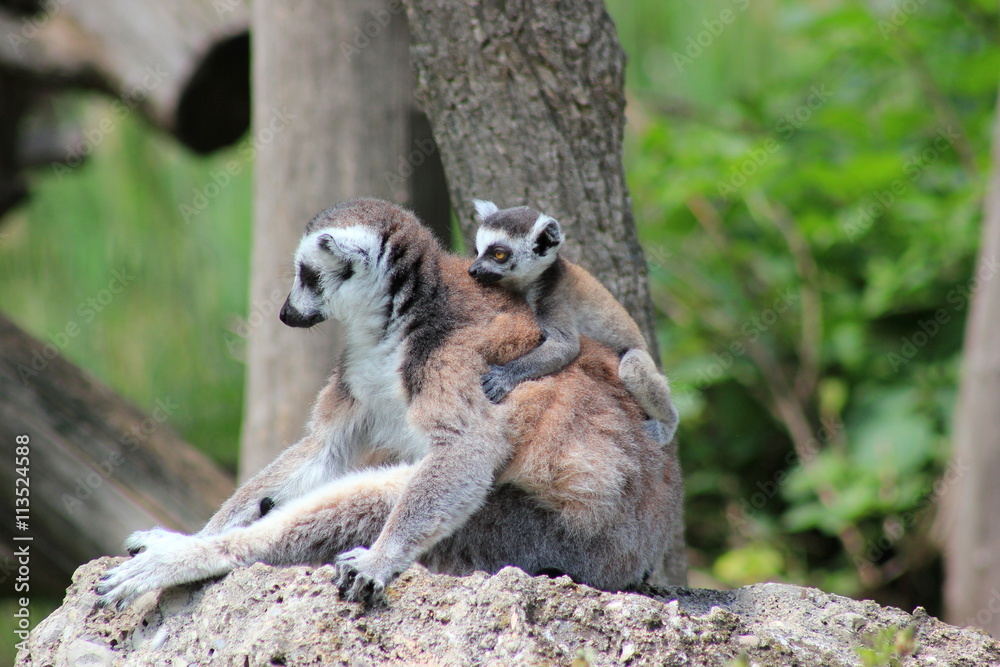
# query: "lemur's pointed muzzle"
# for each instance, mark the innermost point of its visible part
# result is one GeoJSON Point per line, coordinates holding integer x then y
{"type": "Point", "coordinates": [482, 274]}
{"type": "Point", "coordinates": [291, 316]}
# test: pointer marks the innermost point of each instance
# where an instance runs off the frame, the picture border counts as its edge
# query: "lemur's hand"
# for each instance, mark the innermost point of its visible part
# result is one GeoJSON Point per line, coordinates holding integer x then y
{"type": "Point", "coordinates": [497, 383]}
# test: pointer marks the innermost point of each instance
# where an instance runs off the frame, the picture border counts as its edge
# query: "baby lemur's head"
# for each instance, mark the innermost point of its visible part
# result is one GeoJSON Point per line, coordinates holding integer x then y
{"type": "Point", "coordinates": [513, 246]}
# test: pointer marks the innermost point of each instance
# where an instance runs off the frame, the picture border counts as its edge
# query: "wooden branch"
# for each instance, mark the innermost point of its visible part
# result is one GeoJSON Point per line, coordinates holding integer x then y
{"type": "Point", "coordinates": [810, 338]}
{"type": "Point", "coordinates": [971, 492]}
{"type": "Point", "coordinates": [184, 64]}
{"type": "Point", "coordinates": [99, 467]}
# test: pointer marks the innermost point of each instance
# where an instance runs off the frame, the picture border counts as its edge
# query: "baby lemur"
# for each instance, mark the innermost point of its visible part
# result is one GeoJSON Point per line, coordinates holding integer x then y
{"type": "Point", "coordinates": [518, 249]}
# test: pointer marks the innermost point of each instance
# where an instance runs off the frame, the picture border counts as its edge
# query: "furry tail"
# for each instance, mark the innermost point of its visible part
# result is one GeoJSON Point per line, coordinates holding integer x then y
{"type": "Point", "coordinates": [640, 376]}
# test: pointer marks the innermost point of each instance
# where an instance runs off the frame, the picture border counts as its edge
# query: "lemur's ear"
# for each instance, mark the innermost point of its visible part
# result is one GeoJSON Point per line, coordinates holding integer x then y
{"type": "Point", "coordinates": [484, 209]}
{"type": "Point", "coordinates": [546, 234]}
{"type": "Point", "coordinates": [348, 249]}
{"type": "Point", "coordinates": [329, 244]}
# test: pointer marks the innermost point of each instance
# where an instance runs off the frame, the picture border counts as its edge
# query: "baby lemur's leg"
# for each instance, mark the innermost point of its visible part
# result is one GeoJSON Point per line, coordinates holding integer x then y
{"type": "Point", "coordinates": [643, 380]}
{"type": "Point", "coordinates": [346, 513]}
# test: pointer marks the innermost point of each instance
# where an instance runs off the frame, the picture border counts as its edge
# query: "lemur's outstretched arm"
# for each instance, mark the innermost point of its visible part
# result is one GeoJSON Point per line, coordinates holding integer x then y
{"type": "Point", "coordinates": [561, 345]}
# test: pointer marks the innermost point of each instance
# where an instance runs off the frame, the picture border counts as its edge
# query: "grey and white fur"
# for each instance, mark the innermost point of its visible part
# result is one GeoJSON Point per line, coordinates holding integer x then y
{"type": "Point", "coordinates": [405, 459]}
{"type": "Point", "coordinates": [518, 249]}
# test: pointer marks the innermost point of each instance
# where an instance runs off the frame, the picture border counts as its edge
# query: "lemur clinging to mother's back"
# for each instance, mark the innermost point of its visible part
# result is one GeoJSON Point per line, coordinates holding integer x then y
{"type": "Point", "coordinates": [518, 248]}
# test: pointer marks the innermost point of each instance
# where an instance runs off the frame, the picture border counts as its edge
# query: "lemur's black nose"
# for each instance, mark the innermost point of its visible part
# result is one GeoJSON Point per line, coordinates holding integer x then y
{"type": "Point", "coordinates": [287, 313]}
{"type": "Point", "coordinates": [291, 316]}
{"type": "Point", "coordinates": [483, 275]}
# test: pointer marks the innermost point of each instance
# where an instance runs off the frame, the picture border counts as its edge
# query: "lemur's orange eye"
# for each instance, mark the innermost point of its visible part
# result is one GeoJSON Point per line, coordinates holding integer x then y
{"type": "Point", "coordinates": [500, 255]}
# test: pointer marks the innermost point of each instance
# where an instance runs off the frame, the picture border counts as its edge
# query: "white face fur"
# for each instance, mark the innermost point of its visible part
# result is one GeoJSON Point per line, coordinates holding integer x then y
{"type": "Point", "coordinates": [336, 275]}
{"type": "Point", "coordinates": [511, 259]}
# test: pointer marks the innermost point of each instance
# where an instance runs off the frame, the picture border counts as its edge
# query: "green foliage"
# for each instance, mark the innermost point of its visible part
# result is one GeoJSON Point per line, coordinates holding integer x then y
{"type": "Point", "coordinates": [165, 330]}
{"type": "Point", "coordinates": [807, 181]}
{"type": "Point", "coordinates": [886, 647]}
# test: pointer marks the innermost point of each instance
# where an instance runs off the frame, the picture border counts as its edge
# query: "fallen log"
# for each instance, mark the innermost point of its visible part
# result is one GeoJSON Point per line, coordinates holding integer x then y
{"type": "Point", "coordinates": [96, 467]}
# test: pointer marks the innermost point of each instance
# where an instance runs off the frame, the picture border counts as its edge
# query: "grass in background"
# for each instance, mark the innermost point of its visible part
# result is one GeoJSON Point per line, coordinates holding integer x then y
{"type": "Point", "coordinates": [167, 333]}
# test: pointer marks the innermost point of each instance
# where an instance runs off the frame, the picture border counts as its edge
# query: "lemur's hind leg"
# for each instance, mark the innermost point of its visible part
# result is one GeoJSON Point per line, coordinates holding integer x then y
{"type": "Point", "coordinates": [349, 512]}
{"type": "Point", "coordinates": [513, 529]}
{"type": "Point", "coordinates": [330, 447]}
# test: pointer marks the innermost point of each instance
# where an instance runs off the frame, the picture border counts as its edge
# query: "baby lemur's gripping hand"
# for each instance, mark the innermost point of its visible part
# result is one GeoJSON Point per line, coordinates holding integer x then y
{"type": "Point", "coordinates": [499, 382]}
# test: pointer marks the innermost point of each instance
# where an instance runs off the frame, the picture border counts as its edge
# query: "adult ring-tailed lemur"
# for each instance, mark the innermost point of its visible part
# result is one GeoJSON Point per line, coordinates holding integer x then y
{"type": "Point", "coordinates": [561, 476]}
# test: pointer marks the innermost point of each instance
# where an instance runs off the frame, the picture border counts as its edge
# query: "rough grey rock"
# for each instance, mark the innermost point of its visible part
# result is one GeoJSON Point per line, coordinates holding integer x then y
{"type": "Point", "coordinates": [263, 616]}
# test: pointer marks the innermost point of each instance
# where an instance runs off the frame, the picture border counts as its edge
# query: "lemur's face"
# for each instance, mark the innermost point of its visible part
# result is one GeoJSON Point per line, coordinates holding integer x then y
{"type": "Point", "coordinates": [513, 246]}
{"type": "Point", "coordinates": [334, 275]}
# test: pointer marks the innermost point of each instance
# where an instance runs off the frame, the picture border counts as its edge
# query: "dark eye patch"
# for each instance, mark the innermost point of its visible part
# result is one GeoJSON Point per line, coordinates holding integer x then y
{"type": "Point", "coordinates": [266, 505]}
{"type": "Point", "coordinates": [309, 278]}
{"type": "Point", "coordinates": [346, 272]}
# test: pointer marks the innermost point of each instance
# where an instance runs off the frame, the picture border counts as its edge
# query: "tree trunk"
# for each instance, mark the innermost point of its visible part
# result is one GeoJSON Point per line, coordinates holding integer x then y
{"type": "Point", "coordinates": [528, 107]}
{"type": "Point", "coordinates": [527, 104]}
{"type": "Point", "coordinates": [332, 121]}
{"type": "Point", "coordinates": [972, 500]}
{"type": "Point", "coordinates": [97, 468]}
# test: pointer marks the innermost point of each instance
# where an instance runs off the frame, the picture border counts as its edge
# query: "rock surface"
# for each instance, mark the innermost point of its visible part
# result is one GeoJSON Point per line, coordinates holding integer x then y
{"type": "Point", "coordinates": [265, 615]}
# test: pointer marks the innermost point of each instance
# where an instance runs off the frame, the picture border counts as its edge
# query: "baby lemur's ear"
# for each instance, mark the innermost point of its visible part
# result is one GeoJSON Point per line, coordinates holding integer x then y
{"type": "Point", "coordinates": [546, 235]}
{"type": "Point", "coordinates": [484, 209]}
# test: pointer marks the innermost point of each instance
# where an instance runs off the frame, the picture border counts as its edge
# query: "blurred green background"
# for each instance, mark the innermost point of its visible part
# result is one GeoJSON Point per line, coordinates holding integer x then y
{"type": "Point", "coordinates": [807, 180]}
